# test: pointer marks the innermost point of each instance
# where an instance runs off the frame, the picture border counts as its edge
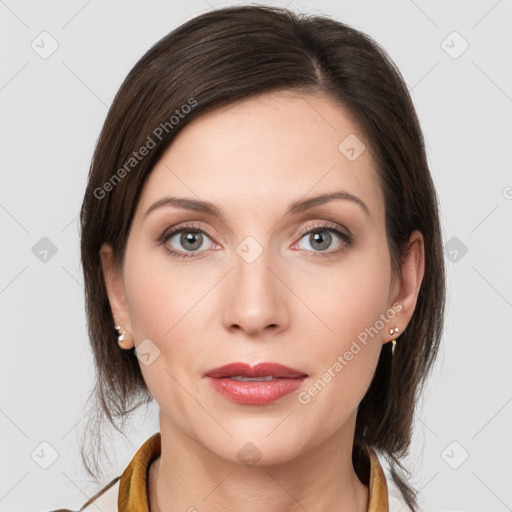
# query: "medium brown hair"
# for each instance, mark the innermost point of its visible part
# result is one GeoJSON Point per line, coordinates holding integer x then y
{"type": "Point", "coordinates": [231, 54]}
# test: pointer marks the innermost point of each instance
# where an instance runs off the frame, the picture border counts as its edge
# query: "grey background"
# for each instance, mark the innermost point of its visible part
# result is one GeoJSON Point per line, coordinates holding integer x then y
{"type": "Point", "coordinates": [52, 112]}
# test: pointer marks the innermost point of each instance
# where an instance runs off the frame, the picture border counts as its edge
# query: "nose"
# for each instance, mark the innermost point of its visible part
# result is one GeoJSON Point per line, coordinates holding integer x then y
{"type": "Point", "coordinates": [256, 297]}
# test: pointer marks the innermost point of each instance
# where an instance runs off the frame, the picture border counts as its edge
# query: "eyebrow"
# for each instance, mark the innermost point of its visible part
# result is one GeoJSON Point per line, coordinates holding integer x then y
{"type": "Point", "coordinates": [295, 208]}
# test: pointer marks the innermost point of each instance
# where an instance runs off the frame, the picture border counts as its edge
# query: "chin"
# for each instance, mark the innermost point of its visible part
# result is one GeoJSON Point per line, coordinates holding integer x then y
{"type": "Point", "coordinates": [253, 446]}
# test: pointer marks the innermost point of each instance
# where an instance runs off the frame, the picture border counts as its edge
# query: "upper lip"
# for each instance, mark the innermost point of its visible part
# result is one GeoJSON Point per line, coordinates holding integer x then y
{"type": "Point", "coordinates": [258, 370]}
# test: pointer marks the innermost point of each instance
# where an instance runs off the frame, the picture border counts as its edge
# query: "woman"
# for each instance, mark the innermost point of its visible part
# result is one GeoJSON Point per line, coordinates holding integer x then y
{"type": "Point", "coordinates": [262, 257]}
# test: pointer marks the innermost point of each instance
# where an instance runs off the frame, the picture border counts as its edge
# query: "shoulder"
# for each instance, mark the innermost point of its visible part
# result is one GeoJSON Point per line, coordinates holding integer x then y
{"type": "Point", "coordinates": [104, 500]}
{"type": "Point", "coordinates": [396, 501]}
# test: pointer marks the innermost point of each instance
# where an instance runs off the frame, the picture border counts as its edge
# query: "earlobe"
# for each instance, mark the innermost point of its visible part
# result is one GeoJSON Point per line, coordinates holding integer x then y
{"type": "Point", "coordinates": [116, 296]}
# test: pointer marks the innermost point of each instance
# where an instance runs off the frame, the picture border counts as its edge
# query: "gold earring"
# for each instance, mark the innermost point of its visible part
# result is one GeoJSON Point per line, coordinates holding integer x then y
{"type": "Point", "coordinates": [393, 341]}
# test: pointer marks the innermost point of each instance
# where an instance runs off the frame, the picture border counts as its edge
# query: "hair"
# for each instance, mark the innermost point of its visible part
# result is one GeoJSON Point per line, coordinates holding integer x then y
{"type": "Point", "coordinates": [232, 54]}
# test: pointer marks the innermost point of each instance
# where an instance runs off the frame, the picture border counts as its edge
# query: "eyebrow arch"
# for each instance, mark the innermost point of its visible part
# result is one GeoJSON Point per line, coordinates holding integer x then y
{"type": "Point", "coordinates": [295, 208]}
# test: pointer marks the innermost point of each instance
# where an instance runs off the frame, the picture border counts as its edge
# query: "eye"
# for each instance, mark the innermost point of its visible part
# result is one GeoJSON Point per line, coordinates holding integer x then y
{"type": "Point", "coordinates": [320, 239]}
{"type": "Point", "coordinates": [186, 239]}
{"type": "Point", "coordinates": [190, 240]}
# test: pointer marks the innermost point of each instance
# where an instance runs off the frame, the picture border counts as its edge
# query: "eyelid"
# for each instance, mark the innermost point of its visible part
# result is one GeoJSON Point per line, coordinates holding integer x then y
{"type": "Point", "coordinates": [181, 226]}
{"type": "Point", "coordinates": [325, 225]}
{"type": "Point", "coordinates": [175, 230]}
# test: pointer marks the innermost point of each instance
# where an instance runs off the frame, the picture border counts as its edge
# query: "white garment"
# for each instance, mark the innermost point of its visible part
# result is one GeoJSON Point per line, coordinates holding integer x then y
{"type": "Point", "coordinates": [106, 502]}
{"type": "Point", "coordinates": [396, 501]}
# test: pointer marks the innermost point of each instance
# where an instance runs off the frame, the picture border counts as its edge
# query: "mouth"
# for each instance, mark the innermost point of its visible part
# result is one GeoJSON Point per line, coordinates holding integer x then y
{"type": "Point", "coordinates": [261, 384]}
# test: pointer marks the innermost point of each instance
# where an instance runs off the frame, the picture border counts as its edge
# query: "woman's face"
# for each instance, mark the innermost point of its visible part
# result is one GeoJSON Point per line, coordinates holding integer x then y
{"type": "Point", "coordinates": [255, 286]}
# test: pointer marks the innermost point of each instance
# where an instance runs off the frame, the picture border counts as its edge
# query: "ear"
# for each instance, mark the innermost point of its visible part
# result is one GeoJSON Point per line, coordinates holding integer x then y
{"type": "Point", "coordinates": [409, 283]}
{"type": "Point", "coordinates": [116, 296]}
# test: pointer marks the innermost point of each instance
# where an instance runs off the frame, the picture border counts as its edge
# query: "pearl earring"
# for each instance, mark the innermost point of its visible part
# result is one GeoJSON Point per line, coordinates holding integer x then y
{"type": "Point", "coordinates": [121, 337]}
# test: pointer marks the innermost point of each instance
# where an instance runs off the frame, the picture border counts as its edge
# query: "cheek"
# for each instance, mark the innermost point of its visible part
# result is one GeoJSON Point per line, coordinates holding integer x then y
{"type": "Point", "coordinates": [349, 300]}
{"type": "Point", "coordinates": [158, 304]}
{"type": "Point", "coordinates": [351, 303]}
{"type": "Point", "coordinates": [158, 294]}
{"type": "Point", "coordinates": [165, 306]}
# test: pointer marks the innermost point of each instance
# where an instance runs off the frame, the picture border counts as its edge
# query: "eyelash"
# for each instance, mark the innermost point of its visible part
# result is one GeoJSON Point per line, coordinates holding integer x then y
{"type": "Point", "coordinates": [317, 228]}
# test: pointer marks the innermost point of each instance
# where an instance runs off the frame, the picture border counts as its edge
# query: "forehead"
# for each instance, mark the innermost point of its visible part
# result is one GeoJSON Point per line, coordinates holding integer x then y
{"type": "Point", "coordinates": [269, 150]}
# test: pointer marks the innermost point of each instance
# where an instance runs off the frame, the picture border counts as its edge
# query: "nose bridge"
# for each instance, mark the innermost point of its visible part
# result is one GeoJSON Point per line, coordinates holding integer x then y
{"type": "Point", "coordinates": [255, 292]}
{"type": "Point", "coordinates": [253, 263]}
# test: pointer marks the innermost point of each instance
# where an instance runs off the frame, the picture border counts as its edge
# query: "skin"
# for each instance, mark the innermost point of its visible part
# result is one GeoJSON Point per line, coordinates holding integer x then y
{"type": "Point", "coordinates": [252, 159]}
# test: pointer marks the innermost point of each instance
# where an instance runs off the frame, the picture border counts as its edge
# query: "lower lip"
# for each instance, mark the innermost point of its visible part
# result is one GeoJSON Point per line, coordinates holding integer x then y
{"type": "Point", "coordinates": [255, 392]}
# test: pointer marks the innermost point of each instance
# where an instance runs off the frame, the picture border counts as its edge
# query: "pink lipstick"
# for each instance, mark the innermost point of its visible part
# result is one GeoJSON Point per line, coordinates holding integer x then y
{"type": "Point", "coordinates": [261, 384]}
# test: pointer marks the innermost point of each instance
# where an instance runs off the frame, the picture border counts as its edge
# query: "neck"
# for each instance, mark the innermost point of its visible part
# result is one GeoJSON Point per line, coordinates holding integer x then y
{"type": "Point", "coordinates": [189, 477]}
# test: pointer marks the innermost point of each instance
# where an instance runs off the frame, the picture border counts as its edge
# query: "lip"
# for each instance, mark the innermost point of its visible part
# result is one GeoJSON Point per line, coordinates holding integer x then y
{"type": "Point", "coordinates": [258, 370]}
{"type": "Point", "coordinates": [286, 380]}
